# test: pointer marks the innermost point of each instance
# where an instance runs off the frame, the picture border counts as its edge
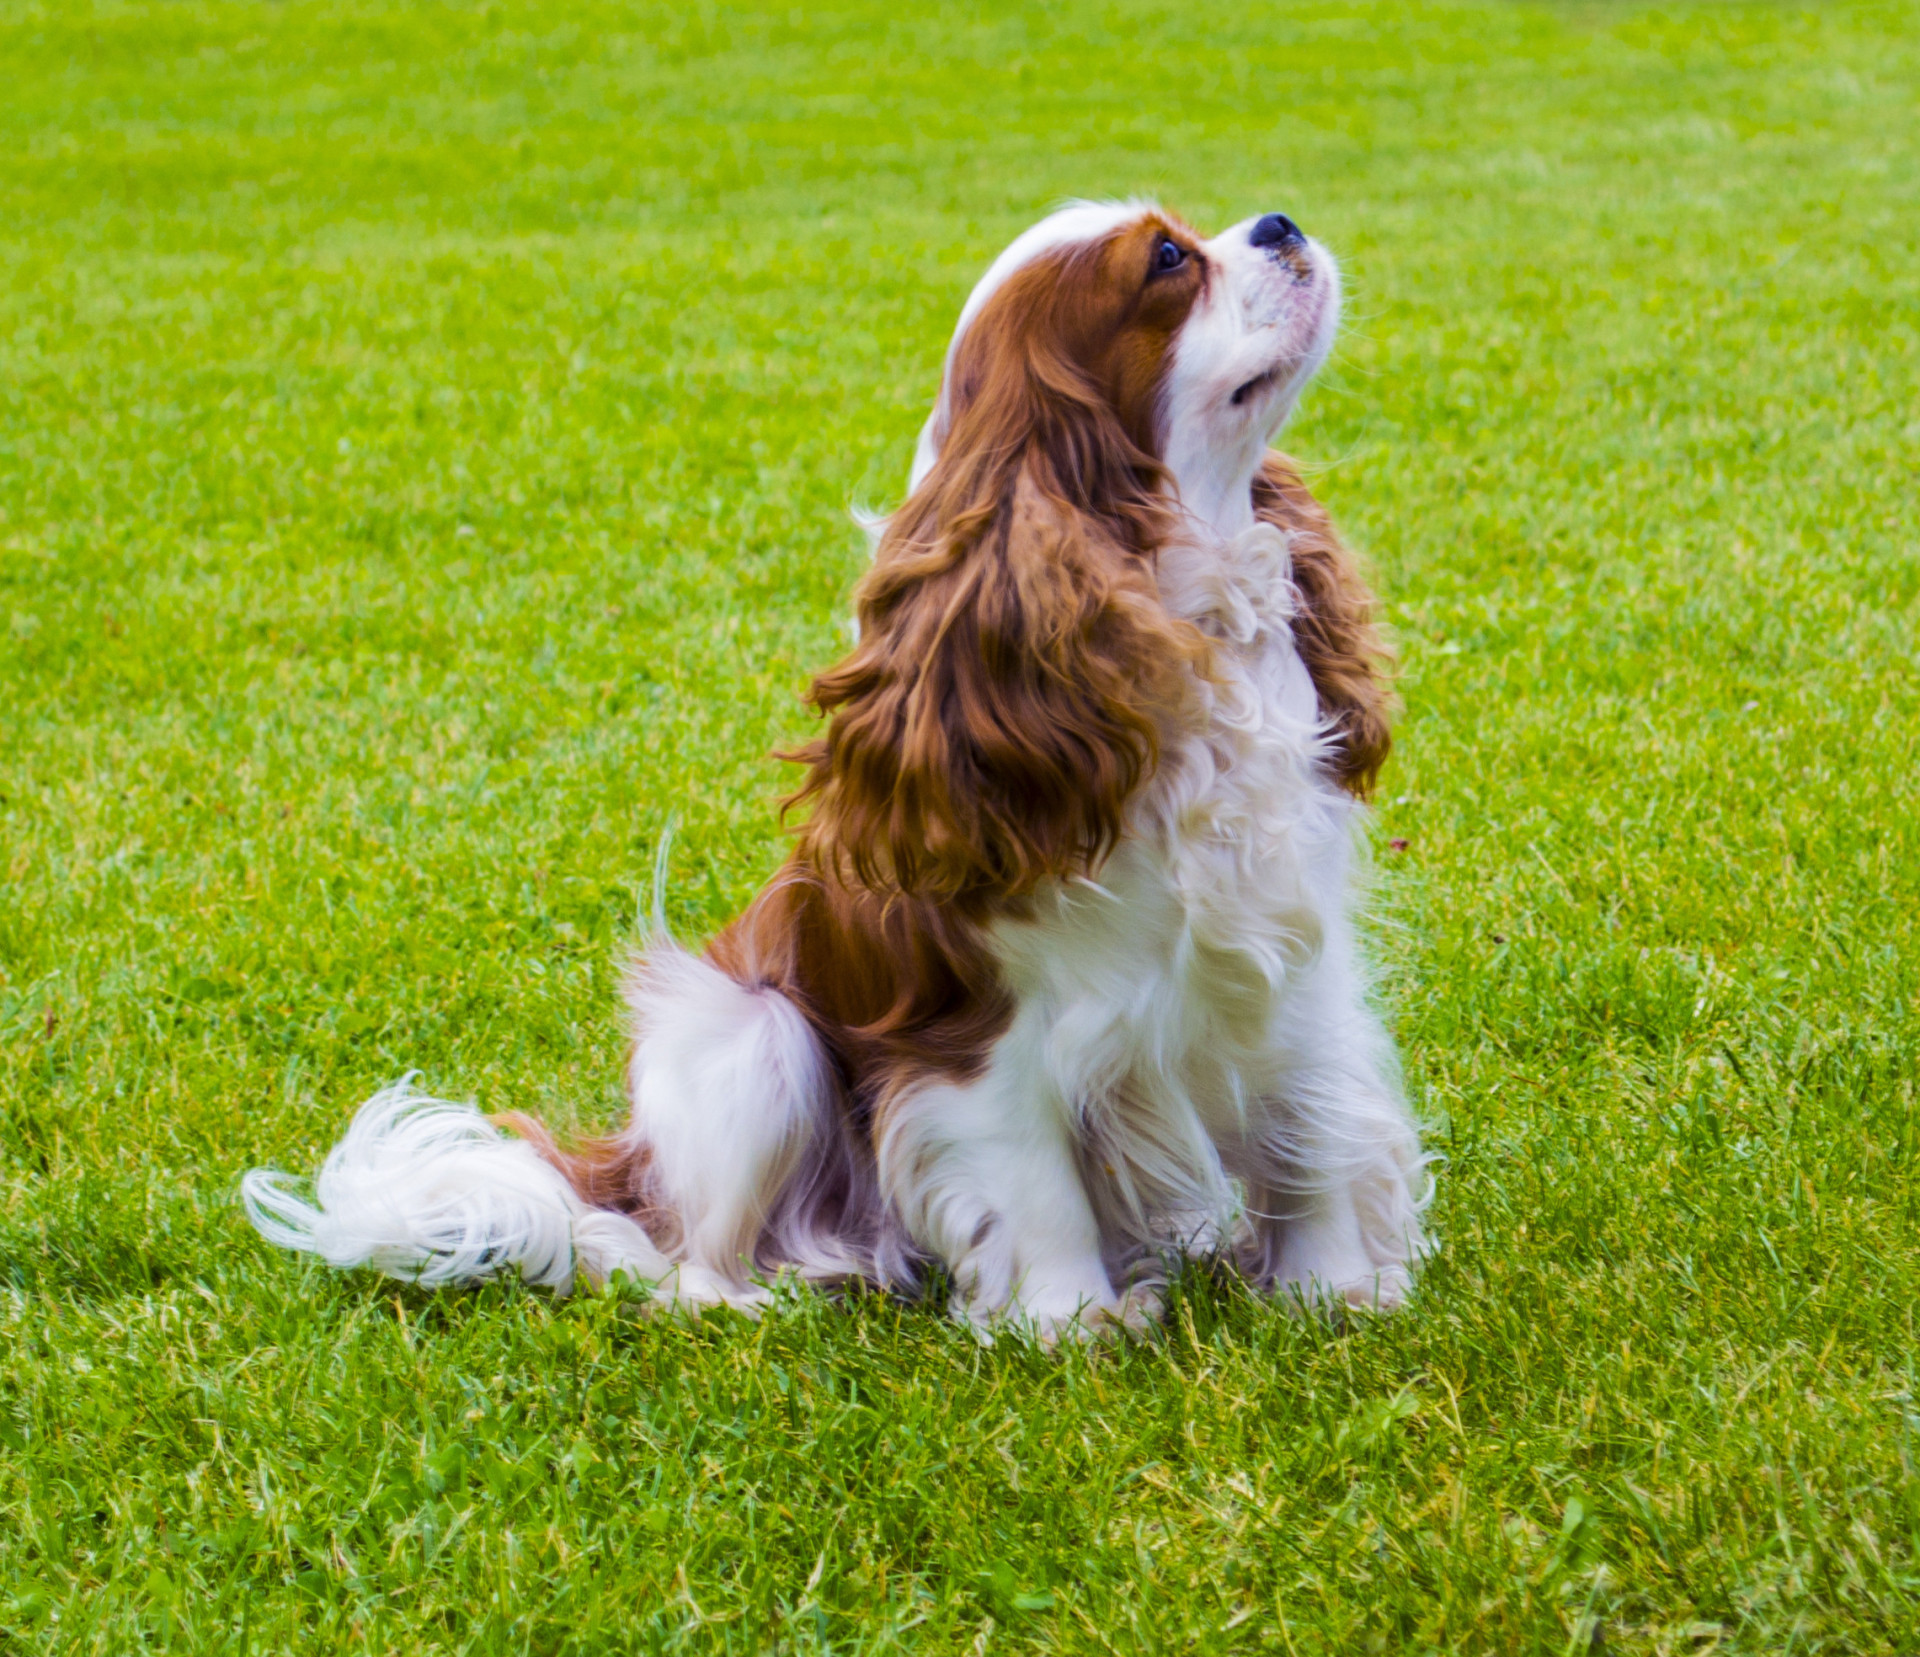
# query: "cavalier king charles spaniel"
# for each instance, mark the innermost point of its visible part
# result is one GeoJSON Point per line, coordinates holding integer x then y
{"type": "Point", "coordinates": [1061, 980]}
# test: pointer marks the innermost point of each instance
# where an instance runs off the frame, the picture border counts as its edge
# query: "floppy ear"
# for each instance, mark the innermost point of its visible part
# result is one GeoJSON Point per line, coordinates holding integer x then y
{"type": "Point", "coordinates": [1335, 627]}
{"type": "Point", "coordinates": [1008, 695]}
{"type": "Point", "coordinates": [1016, 672]}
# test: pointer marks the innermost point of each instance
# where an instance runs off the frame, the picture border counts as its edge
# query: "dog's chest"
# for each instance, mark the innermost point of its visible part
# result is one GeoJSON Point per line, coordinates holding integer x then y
{"type": "Point", "coordinates": [1177, 956]}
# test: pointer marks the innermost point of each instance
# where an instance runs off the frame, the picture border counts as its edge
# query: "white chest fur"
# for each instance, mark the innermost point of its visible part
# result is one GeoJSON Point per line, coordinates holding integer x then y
{"type": "Point", "coordinates": [1153, 1001]}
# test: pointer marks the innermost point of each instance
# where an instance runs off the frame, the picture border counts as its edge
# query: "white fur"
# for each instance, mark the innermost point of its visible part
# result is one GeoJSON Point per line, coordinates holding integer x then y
{"type": "Point", "coordinates": [731, 1092]}
{"type": "Point", "coordinates": [1260, 322]}
{"type": "Point", "coordinates": [434, 1193]}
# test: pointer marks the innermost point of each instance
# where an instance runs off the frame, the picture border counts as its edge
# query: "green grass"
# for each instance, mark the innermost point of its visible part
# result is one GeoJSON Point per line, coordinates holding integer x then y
{"type": "Point", "coordinates": [425, 435]}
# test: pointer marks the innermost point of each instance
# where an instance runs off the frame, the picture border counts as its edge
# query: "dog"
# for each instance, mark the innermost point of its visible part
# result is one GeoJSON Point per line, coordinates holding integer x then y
{"type": "Point", "coordinates": [1061, 980]}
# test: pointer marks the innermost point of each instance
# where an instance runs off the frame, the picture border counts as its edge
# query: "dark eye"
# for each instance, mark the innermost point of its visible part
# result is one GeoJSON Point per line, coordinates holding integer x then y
{"type": "Point", "coordinates": [1169, 255]}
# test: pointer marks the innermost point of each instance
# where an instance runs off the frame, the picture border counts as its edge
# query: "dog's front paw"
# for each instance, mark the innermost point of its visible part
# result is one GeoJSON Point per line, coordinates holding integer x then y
{"type": "Point", "coordinates": [1056, 1320]}
{"type": "Point", "coordinates": [1141, 1309]}
{"type": "Point", "coordinates": [688, 1290]}
{"type": "Point", "coordinates": [1384, 1289]}
{"type": "Point", "coordinates": [1379, 1291]}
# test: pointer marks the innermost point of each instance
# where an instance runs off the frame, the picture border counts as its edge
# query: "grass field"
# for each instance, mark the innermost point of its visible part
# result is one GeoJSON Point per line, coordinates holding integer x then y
{"type": "Point", "coordinates": [425, 439]}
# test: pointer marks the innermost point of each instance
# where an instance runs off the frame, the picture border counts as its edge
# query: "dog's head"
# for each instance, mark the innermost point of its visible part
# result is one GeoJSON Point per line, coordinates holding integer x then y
{"type": "Point", "coordinates": [1198, 349]}
{"type": "Point", "coordinates": [1113, 380]}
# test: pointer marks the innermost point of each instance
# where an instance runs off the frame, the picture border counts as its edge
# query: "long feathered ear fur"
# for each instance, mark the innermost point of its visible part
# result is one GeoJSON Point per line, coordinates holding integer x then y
{"type": "Point", "coordinates": [1336, 627]}
{"type": "Point", "coordinates": [1016, 673]}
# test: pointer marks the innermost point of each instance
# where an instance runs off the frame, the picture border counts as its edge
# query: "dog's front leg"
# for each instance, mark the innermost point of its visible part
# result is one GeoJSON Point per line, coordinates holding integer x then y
{"type": "Point", "coordinates": [1337, 1179]}
{"type": "Point", "coordinates": [982, 1173]}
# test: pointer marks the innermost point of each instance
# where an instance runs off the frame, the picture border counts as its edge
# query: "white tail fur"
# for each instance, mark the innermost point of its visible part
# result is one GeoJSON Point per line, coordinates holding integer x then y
{"type": "Point", "coordinates": [434, 1193]}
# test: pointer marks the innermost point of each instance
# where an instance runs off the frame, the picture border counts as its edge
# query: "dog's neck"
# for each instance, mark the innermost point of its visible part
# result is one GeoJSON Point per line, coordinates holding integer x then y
{"type": "Point", "coordinates": [1218, 509]}
{"type": "Point", "coordinates": [1214, 484]}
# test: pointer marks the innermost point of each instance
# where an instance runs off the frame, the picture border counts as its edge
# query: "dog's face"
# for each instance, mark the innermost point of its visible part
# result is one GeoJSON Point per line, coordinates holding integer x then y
{"type": "Point", "coordinates": [1199, 348]}
{"type": "Point", "coordinates": [1261, 324]}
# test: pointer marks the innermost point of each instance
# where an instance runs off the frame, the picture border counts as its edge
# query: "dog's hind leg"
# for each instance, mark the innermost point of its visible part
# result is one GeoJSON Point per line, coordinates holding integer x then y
{"type": "Point", "coordinates": [734, 1105]}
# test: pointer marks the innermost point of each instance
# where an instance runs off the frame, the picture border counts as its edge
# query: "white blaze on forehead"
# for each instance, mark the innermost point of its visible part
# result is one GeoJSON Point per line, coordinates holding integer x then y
{"type": "Point", "coordinates": [1080, 221]}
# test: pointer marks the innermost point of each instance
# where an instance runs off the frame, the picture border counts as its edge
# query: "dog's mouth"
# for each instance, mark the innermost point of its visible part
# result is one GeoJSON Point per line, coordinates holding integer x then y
{"type": "Point", "coordinates": [1298, 338]}
{"type": "Point", "coordinates": [1258, 384]}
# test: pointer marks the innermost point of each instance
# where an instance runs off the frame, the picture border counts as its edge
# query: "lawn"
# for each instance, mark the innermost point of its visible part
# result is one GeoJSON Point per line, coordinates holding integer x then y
{"type": "Point", "coordinates": [426, 435]}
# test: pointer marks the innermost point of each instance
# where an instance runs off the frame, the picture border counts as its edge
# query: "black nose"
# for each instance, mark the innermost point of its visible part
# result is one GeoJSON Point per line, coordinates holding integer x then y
{"type": "Point", "coordinates": [1276, 230]}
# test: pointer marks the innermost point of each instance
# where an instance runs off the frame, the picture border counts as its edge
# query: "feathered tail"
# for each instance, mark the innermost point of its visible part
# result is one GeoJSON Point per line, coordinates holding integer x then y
{"type": "Point", "coordinates": [434, 1193]}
